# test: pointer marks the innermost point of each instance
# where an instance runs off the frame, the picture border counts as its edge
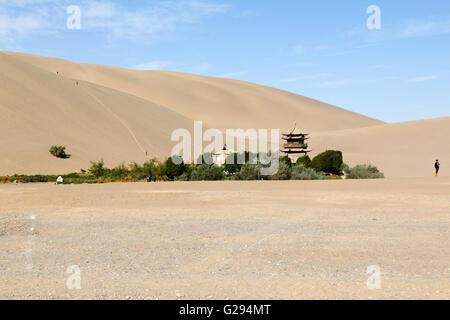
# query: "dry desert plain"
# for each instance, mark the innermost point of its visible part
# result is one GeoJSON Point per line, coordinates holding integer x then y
{"type": "Point", "coordinates": [209, 240]}
{"type": "Point", "coordinates": [227, 240]}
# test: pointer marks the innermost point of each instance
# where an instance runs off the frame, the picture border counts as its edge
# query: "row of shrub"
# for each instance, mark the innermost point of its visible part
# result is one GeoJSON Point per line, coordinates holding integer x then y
{"type": "Point", "coordinates": [327, 165]}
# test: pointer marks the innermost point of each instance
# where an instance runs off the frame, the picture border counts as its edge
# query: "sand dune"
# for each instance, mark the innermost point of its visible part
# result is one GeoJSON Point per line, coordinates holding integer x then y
{"type": "Point", "coordinates": [401, 150]}
{"type": "Point", "coordinates": [220, 103]}
{"type": "Point", "coordinates": [120, 114]}
{"type": "Point", "coordinates": [39, 109]}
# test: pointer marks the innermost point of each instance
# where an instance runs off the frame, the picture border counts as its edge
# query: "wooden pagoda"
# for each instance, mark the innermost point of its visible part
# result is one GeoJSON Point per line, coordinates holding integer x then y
{"type": "Point", "coordinates": [295, 144]}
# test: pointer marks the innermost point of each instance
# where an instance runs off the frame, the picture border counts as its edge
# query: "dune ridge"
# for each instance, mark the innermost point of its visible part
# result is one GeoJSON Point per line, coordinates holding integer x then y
{"type": "Point", "coordinates": [120, 114]}
{"type": "Point", "coordinates": [219, 103]}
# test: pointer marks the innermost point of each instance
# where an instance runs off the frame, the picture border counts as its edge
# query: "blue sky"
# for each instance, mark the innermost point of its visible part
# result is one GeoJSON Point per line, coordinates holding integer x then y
{"type": "Point", "coordinates": [320, 49]}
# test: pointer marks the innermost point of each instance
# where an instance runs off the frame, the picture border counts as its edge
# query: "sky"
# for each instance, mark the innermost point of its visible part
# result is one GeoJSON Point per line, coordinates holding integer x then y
{"type": "Point", "coordinates": [394, 66]}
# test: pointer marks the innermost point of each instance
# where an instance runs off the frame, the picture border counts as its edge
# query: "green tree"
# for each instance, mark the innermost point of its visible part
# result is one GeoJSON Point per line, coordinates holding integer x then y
{"type": "Point", "coordinates": [174, 170]}
{"type": "Point", "coordinates": [304, 161]}
{"type": "Point", "coordinates": [329, 162]}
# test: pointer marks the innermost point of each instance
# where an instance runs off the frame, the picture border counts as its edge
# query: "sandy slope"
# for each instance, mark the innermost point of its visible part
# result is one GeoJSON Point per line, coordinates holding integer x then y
{"type": "Point", "coordinates": [227, 240]}
{"type": "Point", "coordinates": [401, 150]}
{"type": "Point", "coordinates": [38, 109]}
{"type": "Point", "coordinates": [118, 114]}
{"type": "Point", "coordinates": [220, 103]}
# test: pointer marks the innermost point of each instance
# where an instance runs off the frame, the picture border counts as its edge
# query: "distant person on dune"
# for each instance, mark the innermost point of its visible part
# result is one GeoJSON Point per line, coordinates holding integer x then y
{"type": "Point", "coordinates": [437, 165]}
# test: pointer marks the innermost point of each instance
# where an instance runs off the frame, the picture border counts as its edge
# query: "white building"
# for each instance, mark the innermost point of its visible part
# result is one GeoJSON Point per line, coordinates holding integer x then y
{"type": "Point", "coordinates": [220, 157]}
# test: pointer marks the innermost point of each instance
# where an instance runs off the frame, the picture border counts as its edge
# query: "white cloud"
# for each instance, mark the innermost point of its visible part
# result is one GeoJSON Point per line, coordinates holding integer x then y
{"type": "Point", "coordinates": [231, 74]}
{"type": "Point", "coordinates": [195, 68]}
{"type": "Point", "coordinates": [421, 28]}
{"type": "Point", "coordinates": [287, 80]}
{"type": "Point", "coordinates": [95, 9]}
{"type": "Point", "coordinates": [21, 24]}
{"type": "Point", "coordinates": [199, 68]}
{"type": "Point", "coordinates": [310, 77]}
{"type": "Point", "coordinates": [405, 29]}
{"type": "Point", "coordinates": [154, 65]}
{"type": "Point", "coordinates": [147, 21]}
{"type": "Point", "coordinates": [423, 79]}
{"type": "Point", "coordinates": [336, 83]}
{"type": "Point", "coordinates": [31, 17]}
{"type": "Point", "coordinates": [26, 3]}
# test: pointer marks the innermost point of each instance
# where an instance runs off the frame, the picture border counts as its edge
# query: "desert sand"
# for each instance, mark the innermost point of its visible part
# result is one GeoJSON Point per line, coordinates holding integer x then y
{"type": "Point", "coordinates": [407, 149]}
{"type": "Point", "coordinates": [119, 115]}
{"type": "Point", "coordinates": [210, 240]}
{"type": "Point", "coordinates": [219, 103]}
{"type": "Point", "coordinates": [227, 240]}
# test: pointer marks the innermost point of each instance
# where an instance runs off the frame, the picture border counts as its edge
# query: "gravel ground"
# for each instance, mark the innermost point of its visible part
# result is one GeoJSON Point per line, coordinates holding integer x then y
{"type": "Point", "coordinates": [226, 240]}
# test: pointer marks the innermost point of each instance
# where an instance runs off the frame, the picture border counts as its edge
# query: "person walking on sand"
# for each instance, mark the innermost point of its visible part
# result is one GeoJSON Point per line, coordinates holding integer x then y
{"type": "Point", "coordinates": [437, 166]}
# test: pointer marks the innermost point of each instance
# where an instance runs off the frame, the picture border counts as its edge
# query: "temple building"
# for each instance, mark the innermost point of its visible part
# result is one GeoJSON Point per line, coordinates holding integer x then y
{"type": "Point", "coordinates": [221, 157]}
{"type": "Point", "coordinates": [295, 145]}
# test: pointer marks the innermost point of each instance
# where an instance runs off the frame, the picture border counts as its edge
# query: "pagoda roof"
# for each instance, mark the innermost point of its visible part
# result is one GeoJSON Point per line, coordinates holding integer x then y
{"type": "Point", "coordinates": [295, 135]}
{"type": "Point", "coordinates": [297, 151]}
{"type": "Point", "coordinates": [295, 132]}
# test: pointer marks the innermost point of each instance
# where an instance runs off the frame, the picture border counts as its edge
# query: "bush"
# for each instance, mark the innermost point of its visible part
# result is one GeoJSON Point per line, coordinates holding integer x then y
{"type": "Point", "coordinates": [249, 172]}
{"type": "Point", "coordinates": [365, 172]}
{"type": "Point", "coordinates": [329, 162]}
{"type": "Point", "coordinates": [299, 172]}
{"type": "Point", "coordinates": [206, 172]}
{"type": "Point", "coordinates": [305, 161]}
{"type": "Point", "coordinates": [345, 168]}
{"type": "Point", "coordinates": [150, 168]}
{"type": "Point", "coordinates": [136, 171]}
{"type": "Point", "coordinates": [59, 152]}
{"type": "Point", "coordinates": [284, 172]}
{"type": "Point", "coordinates": [160, 171]}
{"type": "Point", "coordinates": [231, 164]}
{"type": "Point", "coordinates": [98, 173]}
{"type": "Point", "coordinates": [286, 160]}
{"type": "Point", "coordinates": [206, 158]}
{"type": "Point", "coordinates": [98, 169]}
{"type": "Point", "coordinates": [121, 171]}
{"type": "Point", "coordinates": [174, 170]}
{"type": "Point", "coordinates": [234, 161]}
